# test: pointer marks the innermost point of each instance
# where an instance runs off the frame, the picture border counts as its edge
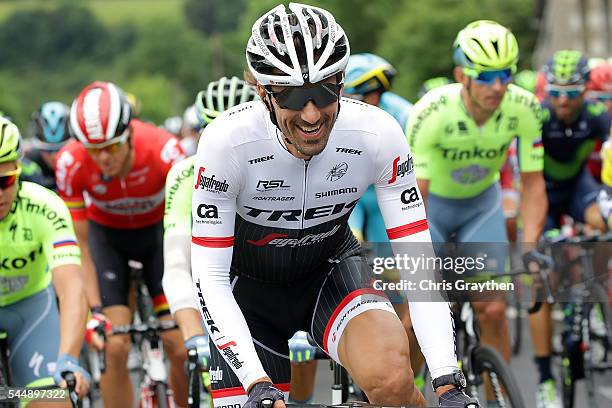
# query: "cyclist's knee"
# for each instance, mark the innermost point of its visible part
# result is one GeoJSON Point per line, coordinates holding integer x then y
{"type": "Point", "coordinates": [390, 380]}
{"type": "Point", "coordinates": [491, 313]}
{"type": "Point", "coordinates": [389, 386]}
{"type": "Point", "coordinates": [173, 346]}
{"type": "Point", "coordinates": [117, 349]}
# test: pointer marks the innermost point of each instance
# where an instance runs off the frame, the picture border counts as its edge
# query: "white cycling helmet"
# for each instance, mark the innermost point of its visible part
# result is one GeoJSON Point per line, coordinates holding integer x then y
{"type": "Point", "coordinates": [100, 115]}
{"type": "Point", "coordinates": [291, 48]}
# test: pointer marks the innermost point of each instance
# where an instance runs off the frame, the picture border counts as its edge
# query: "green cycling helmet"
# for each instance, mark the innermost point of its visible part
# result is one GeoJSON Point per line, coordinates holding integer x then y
{"type": "Point", "coordinates": [567, 67]}
{"type": "Point", "coordinates": [526, 79]}
{"type": "Point", "coordinates": [485, 45]}
{"type": "Point", "coordinates": [10, 141]}
{"type": "Point", "coordinates": [221, 95]}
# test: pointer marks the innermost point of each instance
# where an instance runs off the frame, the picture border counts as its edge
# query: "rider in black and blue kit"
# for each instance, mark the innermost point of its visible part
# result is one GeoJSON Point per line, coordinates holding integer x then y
{"type": "Point", "coordinates": [571, 126]}
{"type": "Point", "coordinates": [49, 134]}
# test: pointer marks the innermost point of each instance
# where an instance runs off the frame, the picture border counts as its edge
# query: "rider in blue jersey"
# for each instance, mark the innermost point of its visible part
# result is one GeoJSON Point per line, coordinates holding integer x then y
{"type": "Point", "coordinates": [368, 79]}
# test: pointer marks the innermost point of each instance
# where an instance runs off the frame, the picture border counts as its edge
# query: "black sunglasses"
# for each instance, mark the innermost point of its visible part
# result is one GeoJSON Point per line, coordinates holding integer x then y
{"type": "Point", "coordinates": [295, 98]}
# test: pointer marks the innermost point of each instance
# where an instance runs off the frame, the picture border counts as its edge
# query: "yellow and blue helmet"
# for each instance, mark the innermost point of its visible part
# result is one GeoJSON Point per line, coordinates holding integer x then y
{"type": "Point", "coordinates": [367, 73]}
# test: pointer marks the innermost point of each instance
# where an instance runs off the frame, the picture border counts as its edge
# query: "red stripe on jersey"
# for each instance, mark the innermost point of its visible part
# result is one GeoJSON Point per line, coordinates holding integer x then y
{"type": "Point", "coordinates": [214, 242]}
{"type": "Point", "coordinates": [228, 392]}
{"type": "Point", "coordinates": [408, 229]}
{"type": "Point", "coordinates": [347, 299]}
{"type": "Point", "coordinates": [237, 391]}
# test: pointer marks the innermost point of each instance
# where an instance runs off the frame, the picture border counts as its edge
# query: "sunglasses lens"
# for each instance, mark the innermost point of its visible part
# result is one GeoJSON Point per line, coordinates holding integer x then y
{"type": "Point", "coordinates": [297, 98]}
{"type": "Point", "coordinates": [569, 94]}
{"type": "Point", "coordinates": [490, 77]}
{"type": "Point", "coordinates": [112, 148]}
{"type": "Point", "coordinates": [7, 181]}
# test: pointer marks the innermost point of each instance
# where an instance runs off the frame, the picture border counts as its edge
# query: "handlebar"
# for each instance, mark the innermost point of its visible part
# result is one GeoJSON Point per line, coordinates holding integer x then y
{"type": "Point", "coordinates": [70, 379]}
{"type": "Point", "coordinates": [152, 327]}
{"type": "Point", "coordinates": [543, 263]}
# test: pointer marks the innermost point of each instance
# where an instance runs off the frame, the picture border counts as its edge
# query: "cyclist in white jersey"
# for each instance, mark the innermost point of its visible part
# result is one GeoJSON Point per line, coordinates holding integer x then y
{"type": "Point", "coordinates": [272, 252]}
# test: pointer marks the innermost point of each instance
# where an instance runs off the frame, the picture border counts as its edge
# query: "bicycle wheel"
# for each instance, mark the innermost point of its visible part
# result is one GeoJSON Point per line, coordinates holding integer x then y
{"type": "Point", "coordinates": [486, 360]}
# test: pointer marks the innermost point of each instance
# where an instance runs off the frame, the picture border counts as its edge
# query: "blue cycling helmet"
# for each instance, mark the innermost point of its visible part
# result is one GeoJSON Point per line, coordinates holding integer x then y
{"type": "Point", "coordinates": [367, 73]}
{"type": "Point", "coordinates": [567, 67]}
{"type": "Point", "coordinates": [50, 126]}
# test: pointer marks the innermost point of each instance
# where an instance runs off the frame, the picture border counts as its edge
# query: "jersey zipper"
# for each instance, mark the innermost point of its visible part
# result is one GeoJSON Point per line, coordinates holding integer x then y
{"type": "Point", "coordinates": [304, 191]}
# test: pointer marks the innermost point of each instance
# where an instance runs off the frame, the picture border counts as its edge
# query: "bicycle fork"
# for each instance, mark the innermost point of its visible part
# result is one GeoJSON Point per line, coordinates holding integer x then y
{"type": "Point", "coordinates": [156, 376]}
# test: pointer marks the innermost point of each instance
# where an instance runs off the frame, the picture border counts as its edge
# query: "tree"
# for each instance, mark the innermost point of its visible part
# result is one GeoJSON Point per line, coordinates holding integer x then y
{"type": "Point", "coordinates": [50, 37]}
{"type": "Point", "coordinates": [214, 16]}
{"type": "Point", "coordinates": [171, 50]}
{"type": "Point", "coordinates": [159, 97]}
{"type": "Point", "coordinates": [419, 40]}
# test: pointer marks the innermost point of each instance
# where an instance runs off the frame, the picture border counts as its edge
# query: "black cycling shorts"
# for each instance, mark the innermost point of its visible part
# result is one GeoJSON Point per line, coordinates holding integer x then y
{"type": "Point", "coordinates": [111, 249]}
{"type": "Point", "coordinates": [322, 305]}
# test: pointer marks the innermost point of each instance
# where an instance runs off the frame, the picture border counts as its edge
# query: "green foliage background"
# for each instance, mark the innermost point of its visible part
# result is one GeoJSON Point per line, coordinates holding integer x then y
{"type": "Point", "coordinates": [164, 51]}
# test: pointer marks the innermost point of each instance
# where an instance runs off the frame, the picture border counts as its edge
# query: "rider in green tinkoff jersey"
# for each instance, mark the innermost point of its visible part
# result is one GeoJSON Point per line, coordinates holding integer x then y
{"type": "Point", "coordinates": [216, 98]}
{"type": "Point", "coordinates": [39, 260]}
{"type": "Point", "coordinates": [459, 135]}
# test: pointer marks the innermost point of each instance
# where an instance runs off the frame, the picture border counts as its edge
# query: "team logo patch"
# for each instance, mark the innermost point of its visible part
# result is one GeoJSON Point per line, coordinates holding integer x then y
{"type": "Point", "coordinates": [337, 172]}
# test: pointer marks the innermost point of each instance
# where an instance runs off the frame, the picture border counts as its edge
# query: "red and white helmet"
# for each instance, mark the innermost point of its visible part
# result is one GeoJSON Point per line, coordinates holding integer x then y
{"type": "Point", "coordinates": [600, 79]}
{"type": "Point", "coordinates": [100, 115]}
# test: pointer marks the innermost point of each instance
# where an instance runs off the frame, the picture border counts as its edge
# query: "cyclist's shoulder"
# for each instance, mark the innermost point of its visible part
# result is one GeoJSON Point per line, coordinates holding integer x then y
{"type": "Point", "coordinates": [393, 101]}
{"type": "Point", "coordinates": [396, 106]}
{"type": "Point", "coordinates": [30, 167]}
{"type": "Point", "coordinates": [179, 166]}
{"type": "Point", "coordinates": [244, 123]}
{"type": "Point", "coordinates": [72, 152]}
{"type": "Point", "coordinates": [40, 207]}
{"type": "Point", "coordinates": [439, 101]}
{"type": "Point", "coordinates": [596, 111]}
{"type": "Point", "coordinates": [181, 171]}
{"type": "Point", "coordinates": [147, 136]}
{"type": "Point", "coordinates": [520, 101]}
{"type": "Point", "coordinates": [357, 116]}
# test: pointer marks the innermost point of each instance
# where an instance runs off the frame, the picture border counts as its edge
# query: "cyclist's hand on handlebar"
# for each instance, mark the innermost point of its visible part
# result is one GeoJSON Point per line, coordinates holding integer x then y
{"type": "Point", "coordinates": [67, 363]}
{"type": "Point", "coordinates": [97, 323]}
{"type": "Point", "coordinates": [265, 395]}
{"type": "Point", "coordinates": [455, 398]}
{"type": "Point", "coordinates": [202, 346]}
{"type": "Point", "coordinates": [535, 261]}
{"type": "Point", "coordinates": [300, 349]}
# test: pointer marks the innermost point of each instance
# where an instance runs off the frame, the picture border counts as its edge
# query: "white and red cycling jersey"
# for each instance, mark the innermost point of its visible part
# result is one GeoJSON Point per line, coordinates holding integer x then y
{"type": "Point", "coordinates": [265, 214]}
{"type": "Point", "coordinates": [135, 201]}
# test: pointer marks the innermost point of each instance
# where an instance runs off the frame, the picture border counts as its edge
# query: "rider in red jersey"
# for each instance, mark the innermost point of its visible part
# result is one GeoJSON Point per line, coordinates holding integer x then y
{"type": "Point", "coordinates": [112, 178]}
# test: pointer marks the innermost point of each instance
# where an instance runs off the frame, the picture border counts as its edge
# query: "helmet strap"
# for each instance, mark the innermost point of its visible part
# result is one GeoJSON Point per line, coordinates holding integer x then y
{"type": "Point", "coordinates": [270, 107]}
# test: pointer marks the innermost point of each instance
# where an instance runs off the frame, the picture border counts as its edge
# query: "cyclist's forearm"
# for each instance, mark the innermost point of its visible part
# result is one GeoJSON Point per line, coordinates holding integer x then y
{"type": "Point", "coordinates": [90, 279]}
{"type": "Point", "coordinates": [177, 272]}
{"type": "Point", "coordinates": [73, 308]}
{"type": "Point", "coordinates": [423, 185]}
{"type": "Point", "coordinates": [92, 291]}
{"type": "Point", "coordinates": [534, 206]}
{"type": "Point", "coordinates": [225, 322]}
{"type": "Point", "coordinates": [189, 322]}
